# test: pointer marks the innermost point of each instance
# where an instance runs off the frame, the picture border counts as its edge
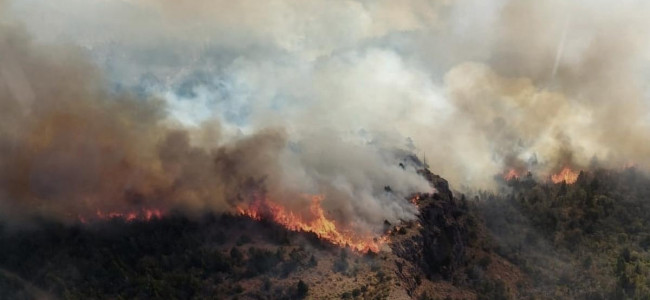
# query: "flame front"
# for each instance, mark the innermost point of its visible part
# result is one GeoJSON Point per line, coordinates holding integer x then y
{"type": "Point", "coordinates": [511, 175]}
{"type": "Point", "coordinates": [567, 175]}
{"type": "Point", "coordinates": [317, 223]}
{"type": "Point", "coordinates": [128, 216]}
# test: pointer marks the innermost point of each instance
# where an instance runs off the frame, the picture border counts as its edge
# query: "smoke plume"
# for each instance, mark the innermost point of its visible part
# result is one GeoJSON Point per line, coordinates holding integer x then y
{"type": "Point", "coordinates": [201, 105]}
{"type": "Point", "coordinates": [72, 148]}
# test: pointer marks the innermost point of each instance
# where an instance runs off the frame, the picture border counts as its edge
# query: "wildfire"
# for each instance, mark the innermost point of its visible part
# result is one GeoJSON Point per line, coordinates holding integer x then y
{"type": "Point", "coordinates": [511, 175]}
{"type": "Point", "coordinates": [567, 175]}
{"type": "Point", "coordinates": [129, 216]}
{"type": "Point", "coordinates": [317, 223]}
{"type": "Point", "coordinates": [415, 200]}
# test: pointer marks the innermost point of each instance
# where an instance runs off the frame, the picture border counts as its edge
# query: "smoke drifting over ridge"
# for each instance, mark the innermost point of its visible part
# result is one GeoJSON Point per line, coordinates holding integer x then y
{"type": "Point", "coordinates": [72, 148]}
{"type": "Point", "coordinates": [197, 105]}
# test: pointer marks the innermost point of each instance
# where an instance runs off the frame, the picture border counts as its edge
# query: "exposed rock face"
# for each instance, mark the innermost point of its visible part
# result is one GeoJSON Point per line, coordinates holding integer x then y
{"type": "Point", "coordinates": [439, 246]}
{"type": "Point", "coordinates": [444, 229]}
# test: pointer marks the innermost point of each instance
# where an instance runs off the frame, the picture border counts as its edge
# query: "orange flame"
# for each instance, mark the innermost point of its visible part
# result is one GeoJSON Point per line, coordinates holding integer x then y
{"type": "Point", "coordinates": [511, 175]}
{"type": "Point", "coordinates": [129, 216]}
{"type": "Point", "coordinates": [415, 200]}
{"type": "Point", "coordinates": [567, 175]}
{"type": "Point", "coordinates": [318, 224]}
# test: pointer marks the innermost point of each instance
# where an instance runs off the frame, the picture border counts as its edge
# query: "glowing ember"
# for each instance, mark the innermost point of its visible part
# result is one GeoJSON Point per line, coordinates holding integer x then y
{"type": "Point", "coordinates": [129, 216]}
{"type": "Point", "coordinates": [567, 175]}
{"type": "Point", "coordinates": [415, 200]}
{"type": "Point", "coordinates": [511, 175]}
{"type": "Point", "coordinates": [317, 223]}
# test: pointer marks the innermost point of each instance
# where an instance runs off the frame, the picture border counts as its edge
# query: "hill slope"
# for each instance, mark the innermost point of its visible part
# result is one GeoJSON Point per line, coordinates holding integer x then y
{"type": "Point", "coordinates": [531, 240]}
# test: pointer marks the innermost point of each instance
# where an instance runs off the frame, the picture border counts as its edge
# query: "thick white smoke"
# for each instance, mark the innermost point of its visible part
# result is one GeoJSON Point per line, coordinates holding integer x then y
{"type": "Point", "coordinates": [334, 90]}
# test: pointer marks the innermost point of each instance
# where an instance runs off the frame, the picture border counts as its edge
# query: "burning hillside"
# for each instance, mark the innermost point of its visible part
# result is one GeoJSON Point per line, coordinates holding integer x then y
{"type": "Point", "coordinates": [325, 122]}
{"type": "Point", "coordinates": [129, 216]}
{"type": "Point", "coordinates": [236, 256]}
{"type": "Point", "coordinates": [566, 175]}
{"type": "Point", "coordinates": [316, 222]}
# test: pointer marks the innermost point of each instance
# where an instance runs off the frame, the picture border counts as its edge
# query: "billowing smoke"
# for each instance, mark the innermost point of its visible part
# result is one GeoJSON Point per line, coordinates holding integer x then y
{"type": "Point", "coordinates": [73, 148]}
{"type": "Point", "coordinates": [199, 105]}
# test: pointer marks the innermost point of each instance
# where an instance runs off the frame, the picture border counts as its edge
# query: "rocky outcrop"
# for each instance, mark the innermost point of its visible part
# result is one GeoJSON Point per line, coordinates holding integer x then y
{"type": "Point", "coordinates": [444, 230]}
{"type": "Point", "coordinates": [438, 246]}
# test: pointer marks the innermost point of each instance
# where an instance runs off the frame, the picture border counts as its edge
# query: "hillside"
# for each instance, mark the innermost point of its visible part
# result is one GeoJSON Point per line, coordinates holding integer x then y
{"type": "Point", "coordinates": [234, 257]}
{"type": "Point", "coordinates": [534, 240]}
{"type": "Point", "coordinates": [587, 240]}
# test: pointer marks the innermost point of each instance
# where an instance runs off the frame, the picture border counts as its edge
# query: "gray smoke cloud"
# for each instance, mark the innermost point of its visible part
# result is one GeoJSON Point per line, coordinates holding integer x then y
{"type": "Point", "coordinates": [73, 147]}
{"type": "Point", "coordinates": [194, 104]}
